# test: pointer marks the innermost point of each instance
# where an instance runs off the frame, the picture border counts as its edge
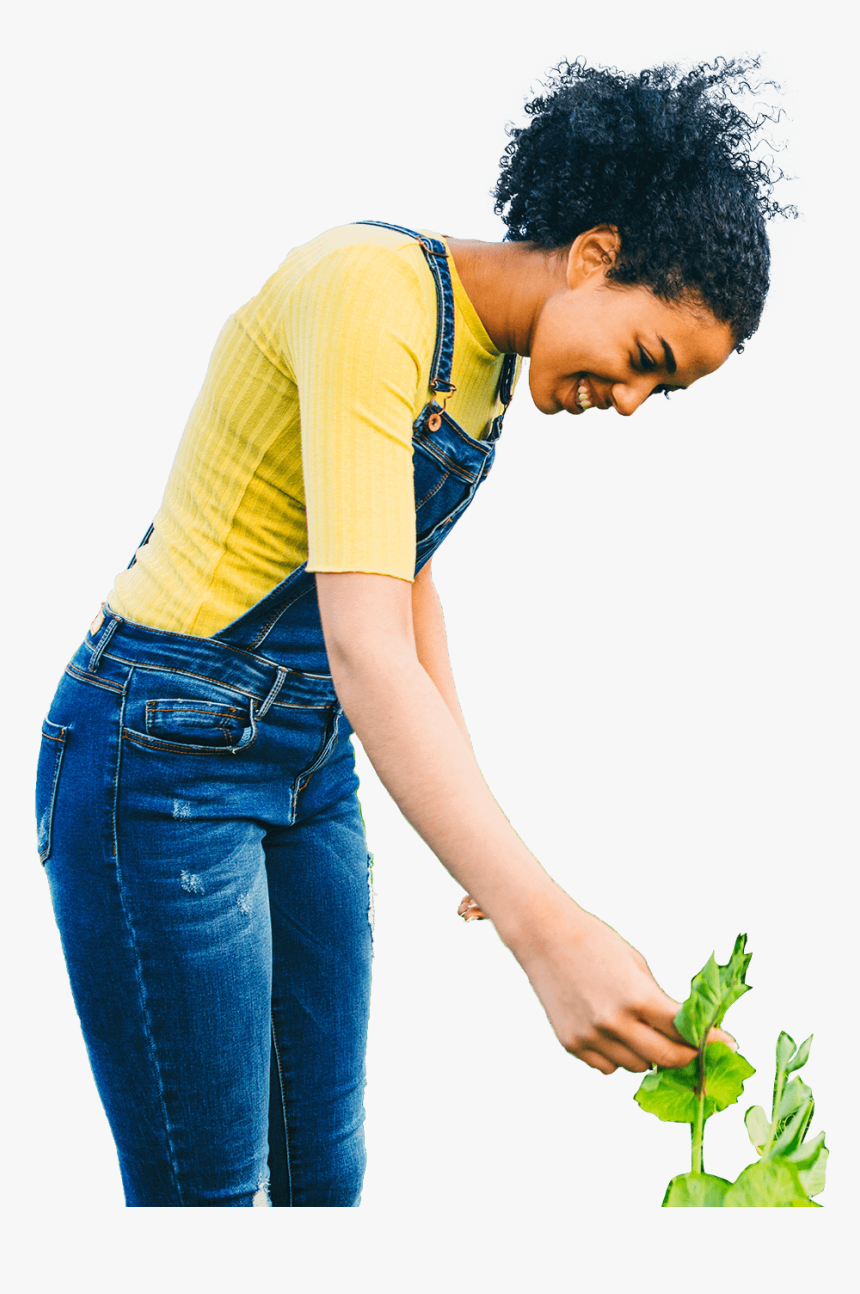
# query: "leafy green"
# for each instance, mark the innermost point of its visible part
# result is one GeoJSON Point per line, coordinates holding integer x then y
{"type": "Point", "coordinates": [758, 1126]}
{"type": "Point", "coordinates": [695, 1190]}
{"type": "Point", "coordinates": [771, 1183]}
{"type": "Point", "coordinates": [789, 1170]}
{"type": "Point", "coordinates": [810, 1159]}
{"type": "Point", "coordinates": [802, 1053]}
{"type": "Point", "coordinates": [713, 991]}
{"type": "Point", "coordinates": [671, 1094]}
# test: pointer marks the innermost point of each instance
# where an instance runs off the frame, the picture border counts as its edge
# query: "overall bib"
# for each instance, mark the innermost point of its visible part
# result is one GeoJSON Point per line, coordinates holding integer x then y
{"type": "Point", "coordinates": [202, 838]}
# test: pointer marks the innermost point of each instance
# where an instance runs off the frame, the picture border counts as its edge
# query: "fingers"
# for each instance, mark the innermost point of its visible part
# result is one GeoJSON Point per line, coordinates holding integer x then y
{"type": "Point", "coordinates": [469, 910]}
{"type": "Point", "coordinates": [596, 1061]}
{"type": "Point", "coordinates": [619, 1056]}
{"type": "Point", "coordinates": [608, 1054]}
{"type": "Point", "coordinates": [649, 1045]}
{"type": "Point", "coordinates": [655, 1037]}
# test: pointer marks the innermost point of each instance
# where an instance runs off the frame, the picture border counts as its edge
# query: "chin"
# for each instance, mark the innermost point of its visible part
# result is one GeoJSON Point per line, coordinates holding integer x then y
{"type": "Point", "coordinates": [545, 403]}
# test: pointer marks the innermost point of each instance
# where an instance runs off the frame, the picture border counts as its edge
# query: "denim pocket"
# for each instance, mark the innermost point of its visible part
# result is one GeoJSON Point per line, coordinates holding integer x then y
{"type": "Point", "coordinates": [47, 779]}
{"type": "Point", "coordinates": [196, 722]}
{"type": "Point", "coordinates": [223, 720]}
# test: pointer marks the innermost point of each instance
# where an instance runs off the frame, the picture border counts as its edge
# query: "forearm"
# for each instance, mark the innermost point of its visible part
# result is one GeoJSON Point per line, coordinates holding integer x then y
{"type": "Point", "coordinates": [423, 759]}
{"type": "Point", "coordinates": [431, 645]}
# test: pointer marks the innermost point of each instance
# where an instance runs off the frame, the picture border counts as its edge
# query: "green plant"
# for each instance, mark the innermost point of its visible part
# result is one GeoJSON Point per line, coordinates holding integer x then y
{"type": "Point", "coordinates": [789, 1170]}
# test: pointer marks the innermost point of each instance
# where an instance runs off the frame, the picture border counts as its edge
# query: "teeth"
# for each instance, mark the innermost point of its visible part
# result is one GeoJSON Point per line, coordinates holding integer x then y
{"type": "Point", "coordinates": [582, 397]}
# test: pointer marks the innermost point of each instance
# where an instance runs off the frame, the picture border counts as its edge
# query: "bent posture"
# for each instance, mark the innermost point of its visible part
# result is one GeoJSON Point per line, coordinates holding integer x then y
{"type": "Point", "coordinates": [197, 799]}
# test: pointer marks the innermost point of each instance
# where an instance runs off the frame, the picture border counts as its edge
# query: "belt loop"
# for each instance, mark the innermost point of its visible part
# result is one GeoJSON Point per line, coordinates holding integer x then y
{"type": "Point", "coordinates": [275, 689]}
{"type": "Point", "coordinates": [105, 639]}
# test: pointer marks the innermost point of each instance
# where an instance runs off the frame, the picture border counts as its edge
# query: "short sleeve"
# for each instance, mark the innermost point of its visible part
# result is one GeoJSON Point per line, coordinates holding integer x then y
{"type": "Point", "coordinates": [359, 330]}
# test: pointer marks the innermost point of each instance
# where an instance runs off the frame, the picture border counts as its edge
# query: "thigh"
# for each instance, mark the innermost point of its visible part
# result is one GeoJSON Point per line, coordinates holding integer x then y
{"type": "Point", "coordinates": [320, 902]}
{"type": "Point", "coordinates": [161, 901]}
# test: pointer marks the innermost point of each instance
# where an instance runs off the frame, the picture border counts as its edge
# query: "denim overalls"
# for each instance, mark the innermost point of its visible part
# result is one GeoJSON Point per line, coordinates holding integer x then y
{"type": "Point", "coordinates": [204, 846]}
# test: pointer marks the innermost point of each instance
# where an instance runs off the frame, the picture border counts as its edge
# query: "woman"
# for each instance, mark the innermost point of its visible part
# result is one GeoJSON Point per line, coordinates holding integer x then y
{"type": "Point", "coordinates": [196, 794]}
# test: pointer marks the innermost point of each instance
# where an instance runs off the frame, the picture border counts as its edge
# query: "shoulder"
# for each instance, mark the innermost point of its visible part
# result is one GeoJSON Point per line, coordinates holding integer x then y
{"type": "Point", "coordinates": [355, 290]}
{"type": "Point", "coordinates": [355, 258]}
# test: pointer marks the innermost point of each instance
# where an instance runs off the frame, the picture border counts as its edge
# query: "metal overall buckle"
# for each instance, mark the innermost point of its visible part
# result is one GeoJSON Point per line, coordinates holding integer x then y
{"type": "Point", "coordinates": [434, 422]}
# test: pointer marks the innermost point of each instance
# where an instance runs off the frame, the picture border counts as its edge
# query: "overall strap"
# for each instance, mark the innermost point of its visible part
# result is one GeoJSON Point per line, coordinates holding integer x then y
{"type": "Point", "coordinates": [437, 259]}
{"type": "Point", "coordinates": [506, 379]}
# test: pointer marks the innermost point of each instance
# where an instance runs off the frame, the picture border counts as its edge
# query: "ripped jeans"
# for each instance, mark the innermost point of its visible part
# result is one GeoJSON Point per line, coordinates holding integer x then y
{"type": "Point", "coordinates": [203, 843]}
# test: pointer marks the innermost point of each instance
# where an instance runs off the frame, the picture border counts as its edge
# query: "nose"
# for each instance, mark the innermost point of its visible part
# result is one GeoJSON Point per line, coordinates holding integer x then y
{"type": "Point", "coordinates": [627, 397]}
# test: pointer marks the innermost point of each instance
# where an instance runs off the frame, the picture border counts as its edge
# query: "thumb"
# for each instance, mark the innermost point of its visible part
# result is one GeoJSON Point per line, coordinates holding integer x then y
{"type": "Point", "coordinates": [668, 1026]}
{"type": "Point", "coordinates": [720, 1035]}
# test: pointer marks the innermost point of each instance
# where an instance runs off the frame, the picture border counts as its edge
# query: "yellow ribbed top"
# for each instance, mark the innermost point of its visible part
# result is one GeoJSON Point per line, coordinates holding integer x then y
{"type": "Point", "coordinates": [299, 445]}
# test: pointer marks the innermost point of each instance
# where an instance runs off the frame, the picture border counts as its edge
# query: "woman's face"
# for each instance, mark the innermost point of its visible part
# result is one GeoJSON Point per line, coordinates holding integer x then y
{"type": "Point", "coordinates": [598, 345]}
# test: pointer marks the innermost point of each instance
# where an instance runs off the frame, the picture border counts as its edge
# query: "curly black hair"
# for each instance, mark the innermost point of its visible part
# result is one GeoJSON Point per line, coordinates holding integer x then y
{"type": "Point", "coordinates": [664, 157]}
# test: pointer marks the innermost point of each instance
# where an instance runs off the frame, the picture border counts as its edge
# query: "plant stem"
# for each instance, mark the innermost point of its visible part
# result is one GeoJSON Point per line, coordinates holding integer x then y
{"type": "Point", "coordinates": [777, 1097]}
{"type": "Point", "coordinates": [698, 1125]}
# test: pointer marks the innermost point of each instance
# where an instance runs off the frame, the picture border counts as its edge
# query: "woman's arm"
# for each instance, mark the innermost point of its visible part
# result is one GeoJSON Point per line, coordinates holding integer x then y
{"type": "Point", "coordinates": [419, 749]}
{"type": "Point", "coordinates": [601, 999]}
{"type": "Point", "coordinates": [431, 642]}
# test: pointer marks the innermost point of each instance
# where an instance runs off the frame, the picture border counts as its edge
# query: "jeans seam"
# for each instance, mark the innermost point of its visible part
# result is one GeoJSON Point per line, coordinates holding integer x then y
{"type": "Point", "coordinates": [304, 777]}
{"type": "Point", "coordinates": [75, 673]}
{"type": "Point", "coordinates": [217, 682]}
{"type": "Point", "coordinates": [284, 1109]}
{"type": "Point", "coordinates": [263, 633]}
{"type": "Point", "coordinates": [137, 963]}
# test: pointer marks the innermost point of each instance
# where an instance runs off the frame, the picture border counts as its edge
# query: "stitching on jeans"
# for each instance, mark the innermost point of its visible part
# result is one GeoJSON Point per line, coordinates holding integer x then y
{"type": "Point", "coordinates": [304, 777]}
{"type": "Point", "coordinates": [216, 682]}
{"type": "Point", "coordinates": [273, 692]}
{"type": "Point", "coordinates": [255, 642]}
{"type": "Point", "coordinates": [429, 495]}
{"type": "Point", "coordinates": [137, 963]}
{"type": "Point", "coordinates": [154, 708]}
{"type": "Point", "coordinates": [147, 742]}
{"type": "Point", "coordinates": [462, 474]}
{"type": "Point", "coordinates": [283, 1108]}
{"type": "Point", "coordinates": [230, 648]}
{"type": "Point", "coordinates": [95, 682]}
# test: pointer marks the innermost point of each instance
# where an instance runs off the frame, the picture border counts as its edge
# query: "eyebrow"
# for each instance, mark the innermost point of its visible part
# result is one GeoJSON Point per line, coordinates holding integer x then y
{"type": "Point", "coordinates": [669, 358]}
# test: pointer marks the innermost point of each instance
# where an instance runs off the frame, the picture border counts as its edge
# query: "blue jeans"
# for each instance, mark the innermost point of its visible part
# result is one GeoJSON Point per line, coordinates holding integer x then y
{"type": "Point", "coordinates": [210, 879]}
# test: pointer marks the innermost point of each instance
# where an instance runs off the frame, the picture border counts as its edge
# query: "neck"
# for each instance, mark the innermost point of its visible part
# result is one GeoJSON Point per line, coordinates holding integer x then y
{"type": "Point", "coordinates": [508, 284]}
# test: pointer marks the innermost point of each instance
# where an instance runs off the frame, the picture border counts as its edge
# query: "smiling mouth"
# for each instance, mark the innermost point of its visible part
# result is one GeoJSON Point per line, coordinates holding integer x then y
{"type": "Point", "coordinates": [583, 397]}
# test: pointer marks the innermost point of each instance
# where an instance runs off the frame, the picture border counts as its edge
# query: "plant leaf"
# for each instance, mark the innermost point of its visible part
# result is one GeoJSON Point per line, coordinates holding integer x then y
{"type": "Point", "coordinates": [732, 976]}
{"type": "Point", "coordinates": [785, 1046]}
{"type": "Point", "coordinates": [689, 1190]}
{"type": "Point", "coordinates": [758, 1126]}
{"type": "Point", "coordinates": [802, 1056]}
{"type": "Point", "coordinates": [694, 1018]}
{"type": "Point", "coordinates": [770, 1183]}
{"type": "Point", "coordinates": [794, 1095]}
{"type": "Point", "coordinates": [671, 1093]}
{"type": "Point", "coordinates": [712, 992]}
{"type": "Point", "coordinates": [810, 1160]}
{"type": "Point", "coordinates": [791, 1135]}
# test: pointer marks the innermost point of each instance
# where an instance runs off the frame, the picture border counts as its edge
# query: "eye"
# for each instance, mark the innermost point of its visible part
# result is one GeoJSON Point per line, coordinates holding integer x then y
{"type": "Point", "coordinates": [646, 362]}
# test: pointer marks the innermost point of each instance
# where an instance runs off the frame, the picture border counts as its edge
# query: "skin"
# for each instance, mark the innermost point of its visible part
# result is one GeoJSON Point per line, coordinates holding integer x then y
{"type": "Point", "coordinates": [388, 652]}
{"type": "Point", "coordinates": [576, 324]}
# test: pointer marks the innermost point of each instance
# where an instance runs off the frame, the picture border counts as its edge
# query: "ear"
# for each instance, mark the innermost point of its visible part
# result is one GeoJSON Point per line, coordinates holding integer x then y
{"type": "Point", "coordinates": [592, 252]}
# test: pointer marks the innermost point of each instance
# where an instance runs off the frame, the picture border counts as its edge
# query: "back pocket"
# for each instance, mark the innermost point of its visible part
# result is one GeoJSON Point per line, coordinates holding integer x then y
{"type": "Point", "coordinates": [47, 779]}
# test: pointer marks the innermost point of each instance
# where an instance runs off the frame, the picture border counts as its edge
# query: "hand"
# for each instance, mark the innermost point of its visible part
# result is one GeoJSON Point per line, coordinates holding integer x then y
{"type": "Point", "coordinates": [469, 909]}
{"type": "Point", "coordinates": [601, 999]}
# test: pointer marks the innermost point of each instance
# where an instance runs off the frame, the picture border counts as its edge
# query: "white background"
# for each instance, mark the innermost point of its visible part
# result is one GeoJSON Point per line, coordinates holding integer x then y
{"type": "Point", "coordinates": [652, 623]}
